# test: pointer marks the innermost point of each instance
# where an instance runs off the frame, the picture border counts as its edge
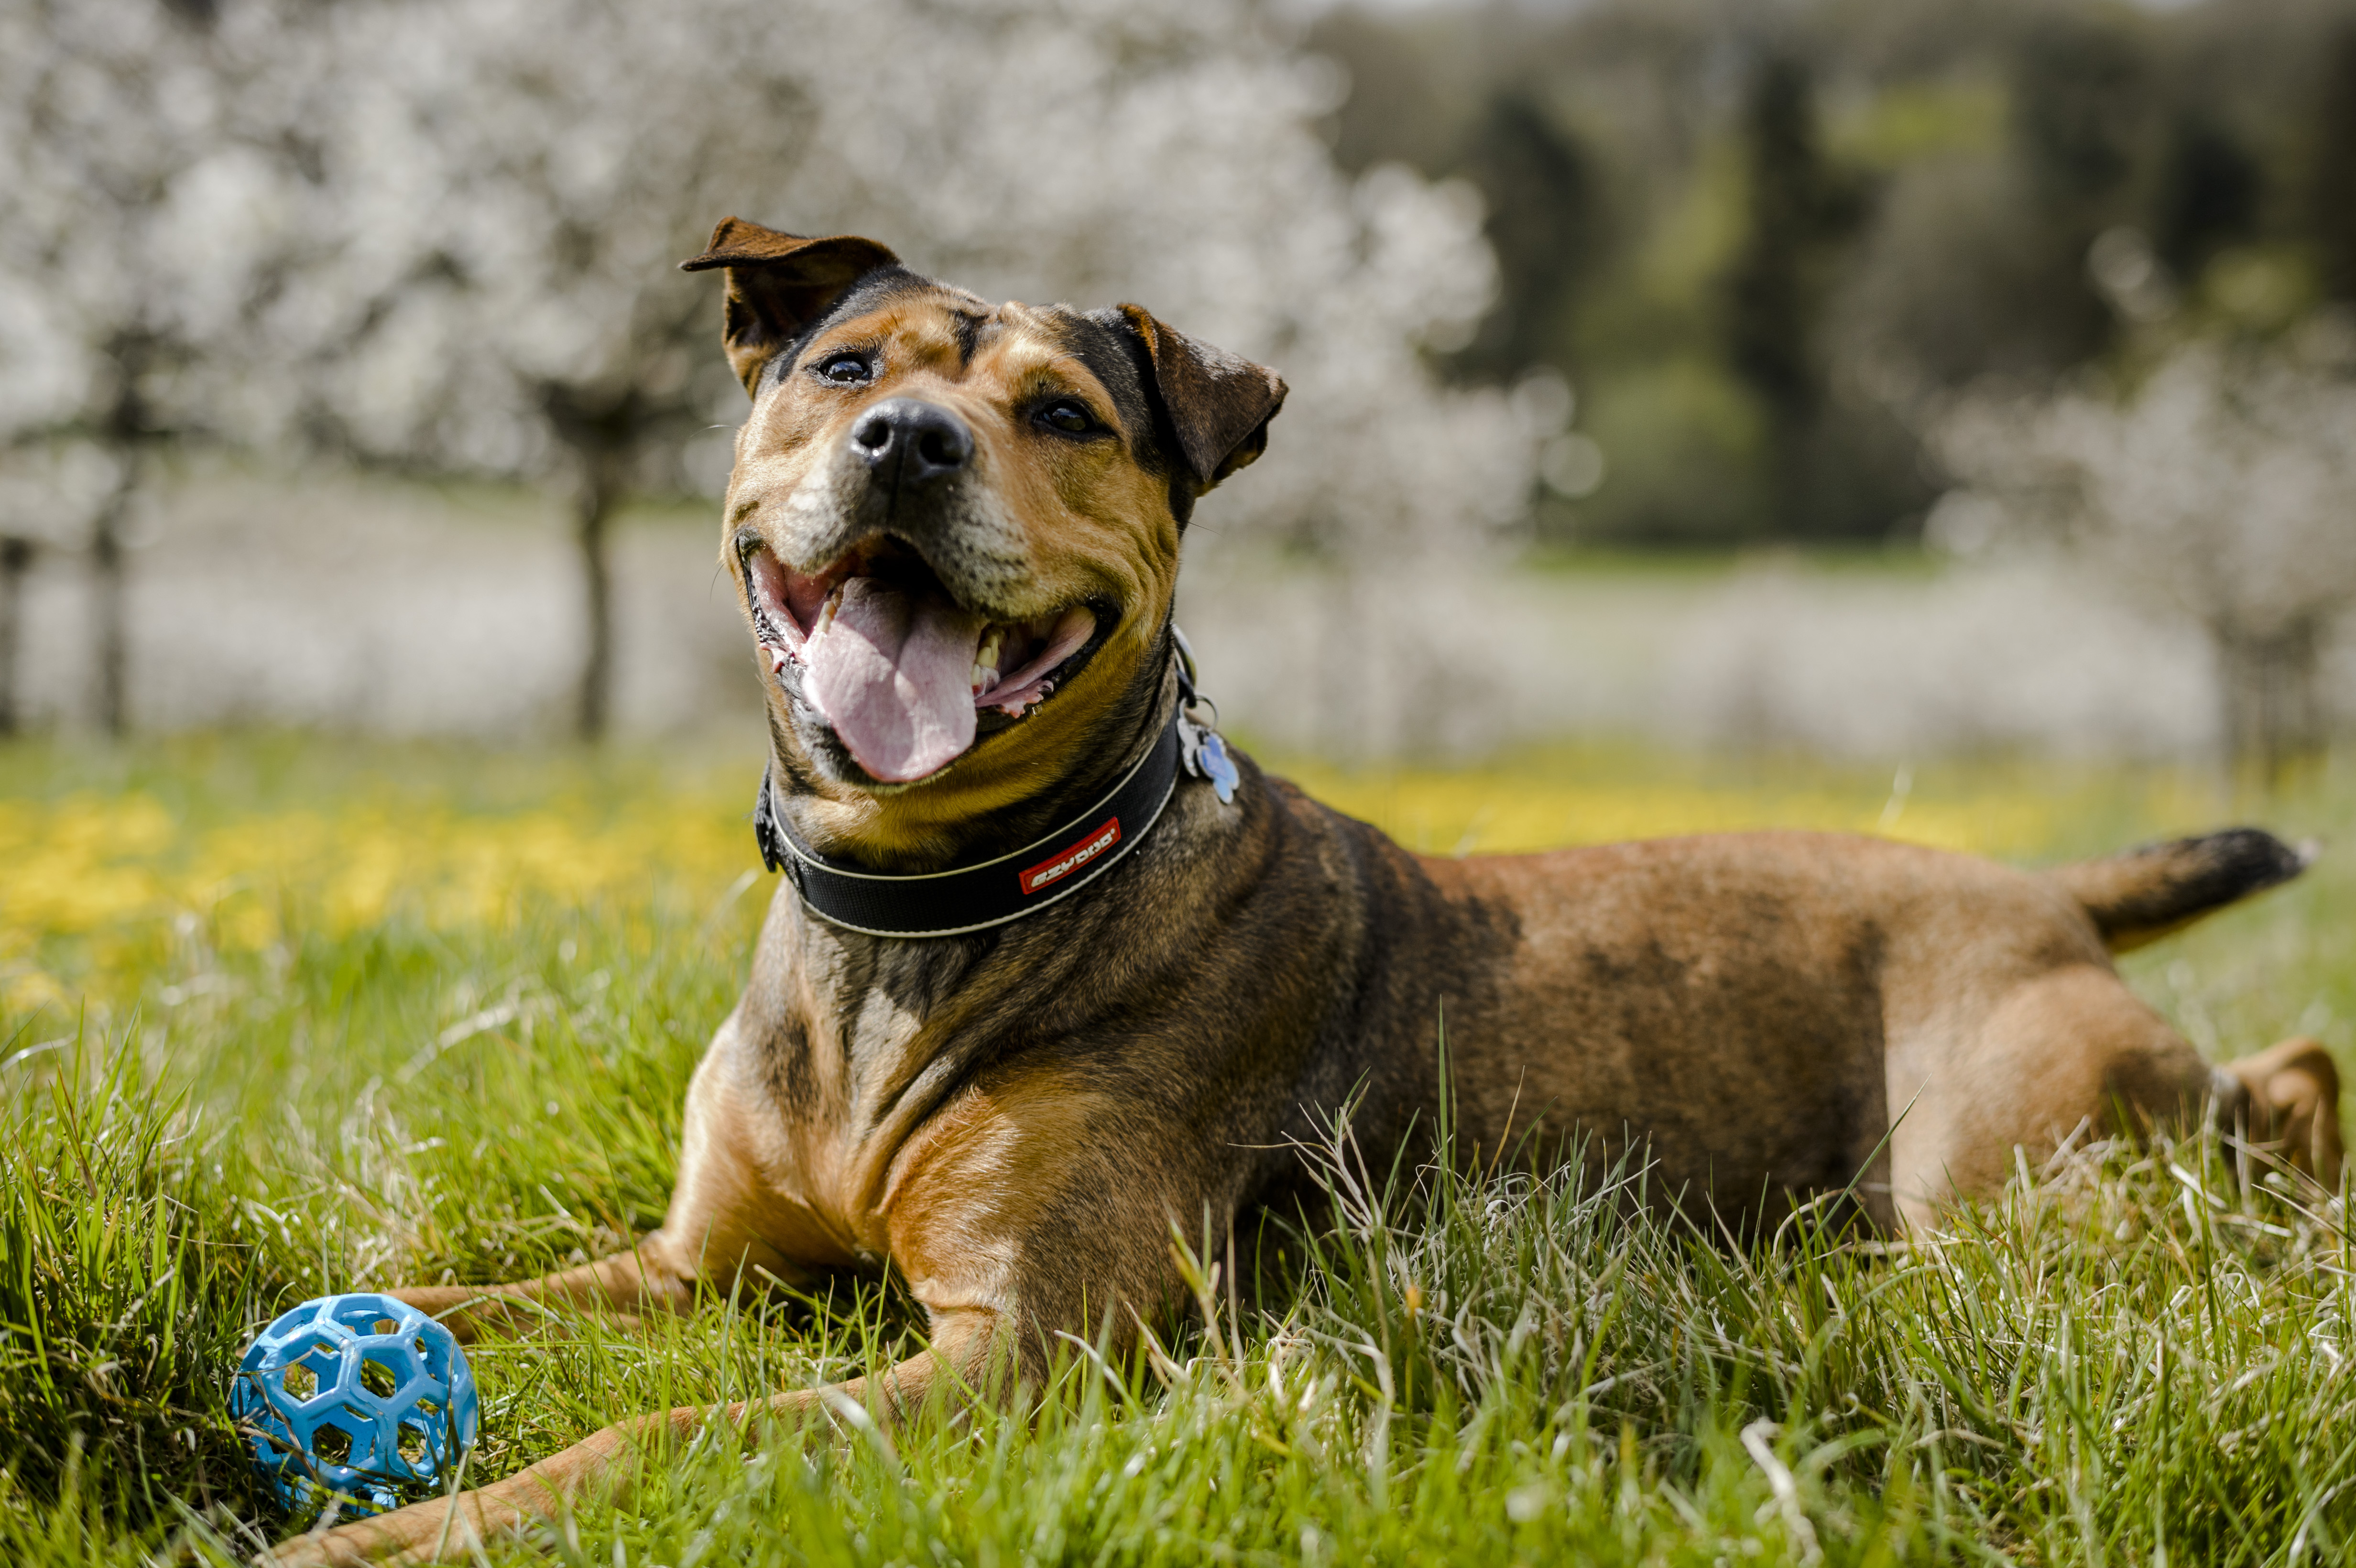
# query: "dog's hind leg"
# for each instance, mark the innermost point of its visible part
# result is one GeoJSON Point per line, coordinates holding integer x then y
{"type": "Point", "coordinates": [2290, 1107]}
{"type": "Point", "coordinates": [2068, 1049]}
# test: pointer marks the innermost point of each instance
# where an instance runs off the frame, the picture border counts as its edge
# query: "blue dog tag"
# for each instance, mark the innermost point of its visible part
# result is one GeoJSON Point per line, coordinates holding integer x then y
{"type": "Point", "coordinates": [1204, 755]}
{"type": "Point", "coordinates": [1218, 767]}
{"type": "Point", "coordinates": [1200, 749]}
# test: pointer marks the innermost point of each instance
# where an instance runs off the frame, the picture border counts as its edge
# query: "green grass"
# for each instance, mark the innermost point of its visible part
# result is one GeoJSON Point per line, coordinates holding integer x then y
{"type": "Point", "coordinates": [238, 1073]}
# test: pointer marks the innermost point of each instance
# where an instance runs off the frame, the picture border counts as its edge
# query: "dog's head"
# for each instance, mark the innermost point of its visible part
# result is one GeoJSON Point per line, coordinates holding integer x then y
{"type": "Point", "coordinates": [956, 524]}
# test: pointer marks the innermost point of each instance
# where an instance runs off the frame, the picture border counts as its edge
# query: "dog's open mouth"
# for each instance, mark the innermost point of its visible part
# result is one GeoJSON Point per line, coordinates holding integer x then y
{"type": "Point", "coordinates": [891, 660]}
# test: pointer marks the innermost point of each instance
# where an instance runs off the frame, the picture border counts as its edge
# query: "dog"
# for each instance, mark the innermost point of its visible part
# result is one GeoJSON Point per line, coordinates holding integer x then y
{"type": "Point", "coordinates": [1053, 972]}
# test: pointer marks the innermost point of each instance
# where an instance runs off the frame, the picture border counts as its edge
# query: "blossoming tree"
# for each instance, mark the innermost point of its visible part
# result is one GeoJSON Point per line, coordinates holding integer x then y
{"type": "Point", "coordinates": [2223, 486]}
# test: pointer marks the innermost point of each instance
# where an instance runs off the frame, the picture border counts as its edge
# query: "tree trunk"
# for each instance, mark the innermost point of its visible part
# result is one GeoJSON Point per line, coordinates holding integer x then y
{"type": "Point", "coordinates": [15, 560]}
{"type": "Point", "coordinates": [109, 620]}
{"type": "Point", "coordinates": [593, 509]}
{"type": "Point", "coordinates": [2271, 687]}
{"type": "Point", "coordinates": [603, 435]}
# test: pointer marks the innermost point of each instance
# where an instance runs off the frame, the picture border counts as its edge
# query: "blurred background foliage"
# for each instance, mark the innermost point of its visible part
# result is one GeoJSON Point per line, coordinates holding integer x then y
{"type": "Point", "coordinates": [1758, 239]}
{"type": "Point", "coordinates": [346, 378]}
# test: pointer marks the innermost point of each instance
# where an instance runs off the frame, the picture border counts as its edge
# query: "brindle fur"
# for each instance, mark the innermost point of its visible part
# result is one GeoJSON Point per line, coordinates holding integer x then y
{"type": "Point", "coordinates": [1016, 1119]}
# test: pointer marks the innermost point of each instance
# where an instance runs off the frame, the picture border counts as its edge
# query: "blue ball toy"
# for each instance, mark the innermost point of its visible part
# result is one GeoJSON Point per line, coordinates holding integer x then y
{"type": "Point", "coordinates": [360, 1397]}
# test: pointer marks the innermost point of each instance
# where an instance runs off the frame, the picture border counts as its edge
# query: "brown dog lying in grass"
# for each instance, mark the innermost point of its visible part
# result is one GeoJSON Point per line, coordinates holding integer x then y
{"type": "Point", "coordinates": [1116, 974]}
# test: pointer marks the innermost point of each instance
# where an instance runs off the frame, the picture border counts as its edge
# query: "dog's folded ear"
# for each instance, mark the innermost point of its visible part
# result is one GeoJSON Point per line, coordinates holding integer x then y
{"type": "Point", "coordinates": [778, 283]}
{"type": "Point", "coordinates": [1218, 403]}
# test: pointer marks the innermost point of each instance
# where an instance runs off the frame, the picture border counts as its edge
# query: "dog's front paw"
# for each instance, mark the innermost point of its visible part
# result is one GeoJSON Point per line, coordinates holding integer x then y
{"type": "Point", "coordinates": [433, 1531]}
{"type": "Point", "coordinates": [466, 1310]}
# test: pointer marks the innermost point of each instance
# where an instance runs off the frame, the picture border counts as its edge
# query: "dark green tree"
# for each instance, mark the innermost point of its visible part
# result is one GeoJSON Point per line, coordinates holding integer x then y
{"type": "Point", "coordinates": [2080, 104]}
{"type": "Point", "coordinates": [1544, 224]}
{"type": "Point", "coordinates": [1799, 210]}
{"type": "Point", "coordinates": [2209, 194]}
{"type": "Point", "coordinates": [2335, 169]}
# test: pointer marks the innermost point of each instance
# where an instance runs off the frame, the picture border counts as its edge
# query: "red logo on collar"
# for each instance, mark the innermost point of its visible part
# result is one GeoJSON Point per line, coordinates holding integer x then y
{"type": "Point", "coordinates": [1064, 863]}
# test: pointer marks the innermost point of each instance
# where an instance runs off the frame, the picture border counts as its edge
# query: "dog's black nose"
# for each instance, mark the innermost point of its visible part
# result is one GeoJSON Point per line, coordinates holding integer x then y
{"type": "Point", "coordinates": [924, 440]}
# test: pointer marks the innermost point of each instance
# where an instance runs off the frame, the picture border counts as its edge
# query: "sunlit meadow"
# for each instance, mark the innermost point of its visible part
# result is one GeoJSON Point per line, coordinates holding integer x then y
{"type": "Point", "coordinates": [283, 1016]}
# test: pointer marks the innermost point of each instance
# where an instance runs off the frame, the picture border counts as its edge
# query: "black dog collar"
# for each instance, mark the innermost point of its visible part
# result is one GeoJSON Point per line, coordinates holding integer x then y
{"type": "Point", "coordinates": [975, 898]}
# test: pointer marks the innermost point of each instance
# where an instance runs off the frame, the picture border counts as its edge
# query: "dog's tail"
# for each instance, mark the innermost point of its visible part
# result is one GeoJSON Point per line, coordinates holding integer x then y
{"type": "Point", "coordinates": [2145, 893]}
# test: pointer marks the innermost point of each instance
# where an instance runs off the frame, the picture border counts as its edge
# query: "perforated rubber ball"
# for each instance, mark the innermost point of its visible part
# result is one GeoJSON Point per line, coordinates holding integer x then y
{"type": "Point", "coordinates": [357, 1396]}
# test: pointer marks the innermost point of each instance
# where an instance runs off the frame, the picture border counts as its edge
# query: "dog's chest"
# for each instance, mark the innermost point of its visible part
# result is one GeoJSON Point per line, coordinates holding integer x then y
{"type": "Point", "coordinates": [865, 1036]}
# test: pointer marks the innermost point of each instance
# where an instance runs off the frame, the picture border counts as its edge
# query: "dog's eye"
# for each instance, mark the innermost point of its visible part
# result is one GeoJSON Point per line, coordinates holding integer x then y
{"type": "Point", "coordinates": [1069, 415]}
{"type": "Point", "coordinates": [843, 369]}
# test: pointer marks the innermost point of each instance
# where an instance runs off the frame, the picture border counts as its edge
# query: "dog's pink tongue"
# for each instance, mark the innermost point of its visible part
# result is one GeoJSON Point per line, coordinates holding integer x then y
{"type": "Point", "coordinates": [893, 673]}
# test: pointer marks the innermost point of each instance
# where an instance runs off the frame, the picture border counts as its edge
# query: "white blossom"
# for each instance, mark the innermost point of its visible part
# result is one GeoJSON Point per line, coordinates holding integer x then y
{"type": "Point", "coordinates": [2222, 487]}
{"type": "Point", "coordinates": [443, 234]}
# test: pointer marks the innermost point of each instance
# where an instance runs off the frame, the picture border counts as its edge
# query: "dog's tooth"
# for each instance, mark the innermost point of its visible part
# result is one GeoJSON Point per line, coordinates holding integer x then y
{"type": "Point", "coordinates": [986, 657]}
